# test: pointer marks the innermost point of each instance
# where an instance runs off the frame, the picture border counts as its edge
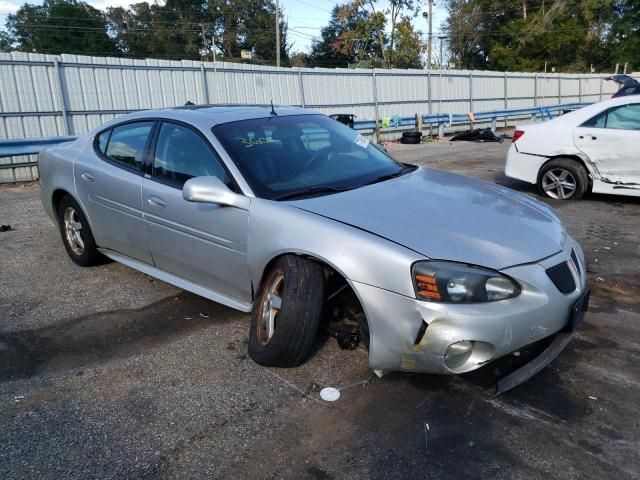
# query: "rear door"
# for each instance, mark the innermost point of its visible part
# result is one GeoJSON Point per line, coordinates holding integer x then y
{"type": "Point", "coordinates": [109, 182]}
{"type": "Point", "coordinates": [203, 243]}
{"type": "Point", "coordinates": [611, 140]}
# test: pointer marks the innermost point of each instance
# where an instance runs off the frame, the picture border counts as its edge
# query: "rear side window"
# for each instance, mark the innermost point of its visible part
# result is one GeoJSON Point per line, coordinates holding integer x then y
{"type": "Point", "coordinates": [126, 143]}
{"type": "Point", "coordinates": [181, 154]}
{"type": "Point", "coordinates": [103, 139]}
{"type": "Point", "coordinates": [625, 117]}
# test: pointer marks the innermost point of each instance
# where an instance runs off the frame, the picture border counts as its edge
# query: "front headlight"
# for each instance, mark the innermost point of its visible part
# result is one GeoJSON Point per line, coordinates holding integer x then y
{"type": "Point", "coordinates": [450, 282]}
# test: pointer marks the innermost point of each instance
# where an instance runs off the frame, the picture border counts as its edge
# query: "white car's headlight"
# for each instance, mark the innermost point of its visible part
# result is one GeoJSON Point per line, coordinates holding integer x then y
{"type": "Point", "coordinates": [450, 282]}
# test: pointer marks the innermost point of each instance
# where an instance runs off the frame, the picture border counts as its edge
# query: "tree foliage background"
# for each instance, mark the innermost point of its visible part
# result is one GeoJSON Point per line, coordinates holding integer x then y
{"type": "Point", "coordinates": [512, 35]}
{"type": "Point", "coordinates": [570, 35]}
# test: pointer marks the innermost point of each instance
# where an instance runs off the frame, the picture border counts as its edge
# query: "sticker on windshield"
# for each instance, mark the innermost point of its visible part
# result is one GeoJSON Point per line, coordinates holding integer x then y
{"type": "Point", "coordinates": [361, 141]}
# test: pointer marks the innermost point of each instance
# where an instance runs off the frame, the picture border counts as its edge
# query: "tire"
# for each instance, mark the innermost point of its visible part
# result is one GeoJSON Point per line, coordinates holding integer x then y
{"type": "Point", "coordinates": [572, 174]}
{"type": "Point", "coordinates": [410, 140]}
{"type": "Point", "coordinates": [412, 134]}
{"type": "Point", "coordinates": [299, 283]}
{"type": "Point", "coordinates": [79, 242]}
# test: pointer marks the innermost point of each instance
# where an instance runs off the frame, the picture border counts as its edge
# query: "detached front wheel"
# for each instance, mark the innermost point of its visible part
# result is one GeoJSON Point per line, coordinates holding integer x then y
{"type": "Point", "coordinates": [286, 313]}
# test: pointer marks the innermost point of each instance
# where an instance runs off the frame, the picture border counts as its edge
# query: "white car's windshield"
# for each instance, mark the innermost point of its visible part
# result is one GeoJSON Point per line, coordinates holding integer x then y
{"type": "Point", "coordinates": [296, 156]}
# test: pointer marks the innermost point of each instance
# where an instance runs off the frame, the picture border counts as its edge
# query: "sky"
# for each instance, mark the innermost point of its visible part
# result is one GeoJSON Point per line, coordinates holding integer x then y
{"type": "Point", "coordinates": [305, 17]}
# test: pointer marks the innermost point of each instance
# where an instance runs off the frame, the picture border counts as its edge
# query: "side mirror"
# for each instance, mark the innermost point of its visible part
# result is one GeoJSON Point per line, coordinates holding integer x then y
{"type": "Point", "coordinates": [212, 190]}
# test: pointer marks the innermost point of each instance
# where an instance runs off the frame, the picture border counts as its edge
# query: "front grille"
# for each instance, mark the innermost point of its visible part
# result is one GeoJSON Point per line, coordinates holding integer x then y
{"type": "Point", "coordinates": [561, 277]}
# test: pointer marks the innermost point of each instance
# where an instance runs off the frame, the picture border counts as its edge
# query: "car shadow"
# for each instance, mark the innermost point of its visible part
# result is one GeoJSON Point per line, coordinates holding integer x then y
{"type": "Point", "coordinates": [99, 337]}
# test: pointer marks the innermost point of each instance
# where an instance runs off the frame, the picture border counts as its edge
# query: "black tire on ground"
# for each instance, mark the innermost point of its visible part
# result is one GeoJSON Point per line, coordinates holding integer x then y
{"type": "Point", "coordinates": [410, 140]}
{"type": "Point", "coordinates": [295, 323]}
{"type": "Point", "coordinates": [569, 172]}
{"type": "Point", "coordinates": [412, 134]}
{"type": "Point", "coordinates": [88, 254]}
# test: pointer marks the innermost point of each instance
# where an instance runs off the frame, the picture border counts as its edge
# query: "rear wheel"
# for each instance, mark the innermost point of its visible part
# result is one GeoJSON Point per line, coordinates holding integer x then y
{"type": "Point", "coordinates": [563, 179]}
{"type": "Point", "coordinates": [286, 313]}
{"type": "Point", "coordinates": [76, 234]}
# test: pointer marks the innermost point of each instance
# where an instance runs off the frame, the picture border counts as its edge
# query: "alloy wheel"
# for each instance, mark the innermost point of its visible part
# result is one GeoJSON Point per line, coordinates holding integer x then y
{"type": "Point", "coordinates": [73, 230]}
{"type": "Point", "coordinates": [271, 305]}
{"type": "Point", "coordinates": [559, 183]}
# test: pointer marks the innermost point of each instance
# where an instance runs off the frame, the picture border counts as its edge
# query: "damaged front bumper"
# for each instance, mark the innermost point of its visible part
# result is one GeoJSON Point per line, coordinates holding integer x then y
{"type": "Point", "coordinates": [412, 335]}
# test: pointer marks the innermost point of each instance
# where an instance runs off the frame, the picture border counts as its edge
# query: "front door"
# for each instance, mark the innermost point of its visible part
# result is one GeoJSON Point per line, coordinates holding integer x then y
{"type": "Point", "coordinates": [203, 243]}
{"type": "Point", "coordinates": [611, 140]}
{"type": "Point", "coordinates": [109, 184]}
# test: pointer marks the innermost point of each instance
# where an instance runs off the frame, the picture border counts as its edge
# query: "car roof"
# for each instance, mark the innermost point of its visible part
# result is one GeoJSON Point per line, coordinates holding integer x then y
{"type": "Point", "coordinates": [207, 116]}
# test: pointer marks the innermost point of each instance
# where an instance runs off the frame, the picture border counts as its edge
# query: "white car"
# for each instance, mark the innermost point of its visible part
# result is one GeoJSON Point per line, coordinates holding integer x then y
{"type": "Point", "coordinates": [595, 147]}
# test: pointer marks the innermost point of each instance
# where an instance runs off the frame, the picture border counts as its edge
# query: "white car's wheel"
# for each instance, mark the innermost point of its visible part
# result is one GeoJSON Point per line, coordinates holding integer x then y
{"type": "Point", "coordinates": [563, 179]}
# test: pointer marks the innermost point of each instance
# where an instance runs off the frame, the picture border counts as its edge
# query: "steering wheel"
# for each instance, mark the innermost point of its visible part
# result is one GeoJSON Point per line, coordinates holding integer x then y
{"type": "Point", "coordinates": [318, 156]}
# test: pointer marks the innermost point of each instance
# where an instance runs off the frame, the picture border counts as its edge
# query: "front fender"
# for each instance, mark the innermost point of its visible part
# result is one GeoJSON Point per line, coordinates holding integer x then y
{"type": "Point", "coordinates": [278, 228]}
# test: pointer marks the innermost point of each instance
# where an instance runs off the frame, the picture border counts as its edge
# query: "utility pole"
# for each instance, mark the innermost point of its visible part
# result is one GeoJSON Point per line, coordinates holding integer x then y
{"type": "Point", "coordinates": [205, 50]}
{"type": "Point", "coordinates": [277, 34]}
{"type": "Point", "coordinates": [429, 44]}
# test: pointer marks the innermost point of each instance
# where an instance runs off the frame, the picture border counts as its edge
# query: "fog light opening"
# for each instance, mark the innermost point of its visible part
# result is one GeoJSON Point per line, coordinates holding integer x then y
{"type": "Point", "coordinates": [458, 353]}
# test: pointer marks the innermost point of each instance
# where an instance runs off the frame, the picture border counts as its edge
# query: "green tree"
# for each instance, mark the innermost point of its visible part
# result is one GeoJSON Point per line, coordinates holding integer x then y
{"type": "Point", "coordinates": [623, 39]}
{"type": "Point", "coordinates": [523, 35]}
{"type": "Point", "coordinates": [400, 13]}
{"type": "Point", "coordinates": [248, 25]}
{"type": "Point", "coordinates": [60, 26]}
{"type": "Point", "coordinates": [134, 32]}
{"type": "Point", "coordinates": [6, 43]}
{"type": "Point", "coordinates": [355, 34]}
{"type": "Point", "coordinates": [408, 46]}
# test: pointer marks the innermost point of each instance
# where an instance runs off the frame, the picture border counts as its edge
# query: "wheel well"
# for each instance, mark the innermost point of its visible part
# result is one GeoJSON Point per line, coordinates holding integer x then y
{"type": "Point", "coordinates": [57, 197]}
{"type": "Point", "coordinates": [343, 316]}
{"type": "Point", "coordinates": [570, 157]}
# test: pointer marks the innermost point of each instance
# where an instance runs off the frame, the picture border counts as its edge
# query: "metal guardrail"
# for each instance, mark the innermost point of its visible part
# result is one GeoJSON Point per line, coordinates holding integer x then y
{"type": "Point", "coordinates": [27, 146]}
{"type": "Point", "coordinates": [450, 119]}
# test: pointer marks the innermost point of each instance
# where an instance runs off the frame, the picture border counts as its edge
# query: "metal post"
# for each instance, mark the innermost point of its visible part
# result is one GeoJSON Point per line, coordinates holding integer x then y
{"type": "Point", "coordinates": [375, 101]}
{"type": "Point", "coordinates": [430, 110]}
{"type": "Point", "coordinates": [277, 34]}
{"type": "Point", "coordinates": [471, 91]}
{"type": "Point", "coordinates": [506, 98]}
{"type": "Point", "coordinates": [559, 90]}
{"type": "Point", "coordinates": [601, 82]}
{"type": "Point", "coordinates": [301, 84]}
{"type": "Point", "coordinates": [579, 89]}
{"type": "Point", "coordinates": [204, 85]}
{"type": "Point", "coordinates": [535, 89]}
{"type": "Point", "coordinates": [430, 39]}
{"type": "Point", "coordinates": [68, 128]}
{"type": "Point", "coordinates": [205, 49]}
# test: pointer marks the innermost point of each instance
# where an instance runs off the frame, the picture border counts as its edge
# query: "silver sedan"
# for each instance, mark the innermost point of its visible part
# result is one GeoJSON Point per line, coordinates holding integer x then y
{"type": "Point", "coordinates": [300, 220]}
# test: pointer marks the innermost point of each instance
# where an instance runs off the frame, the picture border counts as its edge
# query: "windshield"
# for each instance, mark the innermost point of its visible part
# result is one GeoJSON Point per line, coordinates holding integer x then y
{"type": "Point", "coordinates": [290, 156]}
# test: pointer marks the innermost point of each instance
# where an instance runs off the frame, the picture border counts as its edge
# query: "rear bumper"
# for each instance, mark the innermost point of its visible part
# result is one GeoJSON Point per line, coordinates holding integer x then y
{"type": "Point", "coordinates": [523, 166]}
{"type": "Point", "coordinates": [411, 335]}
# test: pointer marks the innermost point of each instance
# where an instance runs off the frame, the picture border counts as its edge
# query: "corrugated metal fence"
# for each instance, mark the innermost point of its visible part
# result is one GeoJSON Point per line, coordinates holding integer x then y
{"type": "Point", "coordinates": [51, 95]}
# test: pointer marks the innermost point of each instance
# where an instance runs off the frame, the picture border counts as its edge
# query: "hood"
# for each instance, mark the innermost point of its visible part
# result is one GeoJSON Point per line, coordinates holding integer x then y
{"type": "Point", "coordinates": [448, 217]}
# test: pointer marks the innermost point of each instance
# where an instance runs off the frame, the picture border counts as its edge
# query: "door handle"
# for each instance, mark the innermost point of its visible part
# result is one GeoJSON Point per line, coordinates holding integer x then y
{"type": "Point", "coordinates": [156, 201]}
{"type": "Point", "coordinates": [88, 177]}
{"type": "Point", "coordinates": [593, 137]}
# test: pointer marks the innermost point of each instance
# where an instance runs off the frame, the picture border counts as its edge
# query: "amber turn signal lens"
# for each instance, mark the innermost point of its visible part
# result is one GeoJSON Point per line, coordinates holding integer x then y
{"type": "Point", "coordinates": [428, 287]}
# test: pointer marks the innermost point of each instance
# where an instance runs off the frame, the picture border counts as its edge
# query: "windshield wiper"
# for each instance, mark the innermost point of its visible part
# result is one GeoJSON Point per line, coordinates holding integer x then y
{"type": "Point", "coordinates": [389, 176]}
{"type": "Point", "coordinates": [310, 191]}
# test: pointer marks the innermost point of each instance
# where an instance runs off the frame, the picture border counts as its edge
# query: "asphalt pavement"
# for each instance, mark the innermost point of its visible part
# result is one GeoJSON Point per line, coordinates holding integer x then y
{"type": "Point", "coordinates": [108, 373]}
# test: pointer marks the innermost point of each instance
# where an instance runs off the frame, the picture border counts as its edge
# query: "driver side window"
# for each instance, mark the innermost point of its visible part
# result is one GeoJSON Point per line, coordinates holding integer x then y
{"type": "Point", "coordinates": [181, 154]}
